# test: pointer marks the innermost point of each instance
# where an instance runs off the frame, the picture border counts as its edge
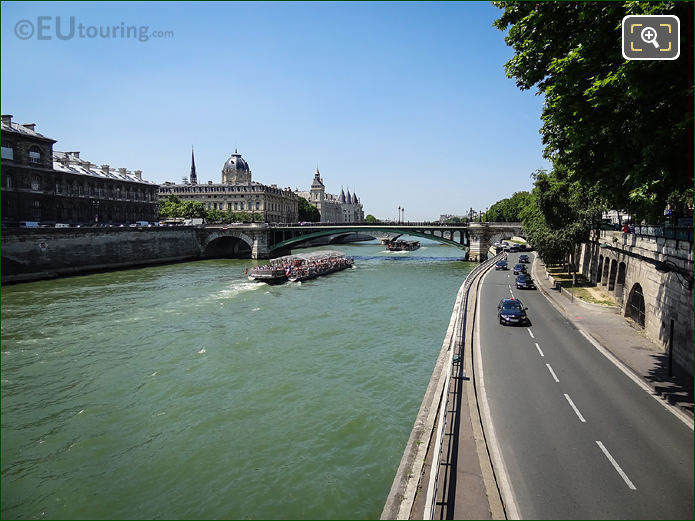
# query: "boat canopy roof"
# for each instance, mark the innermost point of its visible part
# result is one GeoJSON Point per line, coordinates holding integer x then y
{"type": "Point", "coordinates": [308, 257]}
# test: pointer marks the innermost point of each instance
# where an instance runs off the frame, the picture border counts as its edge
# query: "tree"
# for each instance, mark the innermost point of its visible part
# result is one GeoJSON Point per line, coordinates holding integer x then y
{"type": "Point", "coordinates": [559, 215]}
{"type": "Point", "coordinates": [623, 126]}
{"type": "Point", "coordinates": [308, 212]}
{"type": "Point", "coordinates": [509, 210]}
{"type": "Point", "coordinates": [371, 219]}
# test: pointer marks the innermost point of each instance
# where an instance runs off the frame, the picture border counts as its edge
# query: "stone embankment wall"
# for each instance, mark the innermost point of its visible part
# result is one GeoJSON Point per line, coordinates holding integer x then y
{"type": "Point", "coordinates": [38, 253]}
{"type": "Point", "coordinates": [662, 268]}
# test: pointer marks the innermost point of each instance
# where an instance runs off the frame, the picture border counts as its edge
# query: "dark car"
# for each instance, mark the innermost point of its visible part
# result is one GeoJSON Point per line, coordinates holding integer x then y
{"type": "Point", "coordinates": [524, 258]}
{"type": "Point", "coordinates": [524, 281]}
{"type": "Point", "coordinates": [501, 265]}
{"type": "Point", "coordinates": [514, 247]}
{"type": "Point", "coordinates": [519, 268]}
{"type": "Point", "coordinates": [511, 311]}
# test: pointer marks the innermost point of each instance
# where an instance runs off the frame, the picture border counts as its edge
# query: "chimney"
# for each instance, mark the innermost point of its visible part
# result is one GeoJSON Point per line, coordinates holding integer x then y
{"type": "Point", "coordinates": [105, 168]}
{"type": "Point", "coordinates": [209, 182]}
{"type": "Point", "coordinates": [122, 171]}
{"type": "Point", "coordinates": [138, 174]}
{"type": "Point", "coordinates": [29, 126]}
{"type": "Point", "coordinates": [6, 119]}
{"type": "Point", "coordinates": [76, 154]}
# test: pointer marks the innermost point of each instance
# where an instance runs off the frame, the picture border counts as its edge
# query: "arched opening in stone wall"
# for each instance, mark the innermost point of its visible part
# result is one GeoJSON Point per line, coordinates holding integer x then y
{"type": "Point", "coordinates": [620, 282]}
{"type": "Point", "coordinates": [613, 274]}
{"type": "Point", "coordinates": [606, 267]}
{"type": "Point", "coordinates": [227, 247]}
{"type": "Point", "coordinates": [599, 272]}
{"type": "Point", "coordinates": [635, 305]}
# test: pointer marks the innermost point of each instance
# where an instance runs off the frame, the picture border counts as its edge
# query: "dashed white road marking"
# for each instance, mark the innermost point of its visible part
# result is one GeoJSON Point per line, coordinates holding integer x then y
{"type": "Point", "coordinates": [552, 372]}
{"type": "Point", "coordinates": [530, 332]}
{"type": "Point", "coordinates": [581, 418]}
{"type": "Point", "coordinates": [629, 483]}
{"type": "Point", "coordinates": [539, 349]}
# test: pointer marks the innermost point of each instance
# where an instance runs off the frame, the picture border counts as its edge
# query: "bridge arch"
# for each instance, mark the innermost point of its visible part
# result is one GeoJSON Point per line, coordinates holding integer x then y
{"type": "Point", "coordinates": [235, 245]}
{"type": "Point", "coordinates": [296, 240]}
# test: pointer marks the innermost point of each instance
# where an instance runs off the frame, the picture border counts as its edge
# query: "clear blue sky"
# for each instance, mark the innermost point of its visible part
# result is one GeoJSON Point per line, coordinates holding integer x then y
{"type": "Point", "coordinates": [405, 103]}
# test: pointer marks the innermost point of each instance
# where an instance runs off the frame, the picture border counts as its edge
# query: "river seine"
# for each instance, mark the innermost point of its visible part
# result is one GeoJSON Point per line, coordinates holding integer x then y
{"type": "Point", "coordinates": [186, 391]}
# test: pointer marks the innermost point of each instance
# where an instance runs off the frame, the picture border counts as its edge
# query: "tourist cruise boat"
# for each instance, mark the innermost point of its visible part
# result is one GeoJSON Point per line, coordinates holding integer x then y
{"type": "Point", "coordinates": [297, 268]}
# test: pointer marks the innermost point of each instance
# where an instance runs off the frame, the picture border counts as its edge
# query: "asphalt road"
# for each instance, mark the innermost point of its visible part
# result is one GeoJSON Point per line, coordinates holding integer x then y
{"type": "Point", "coordinates": [578, 438]}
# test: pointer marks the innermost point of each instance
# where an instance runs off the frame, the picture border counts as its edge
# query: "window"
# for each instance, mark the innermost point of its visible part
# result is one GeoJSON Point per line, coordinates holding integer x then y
{"type": "Point", "coordinates": [241, 206]}
{"type": "Point", "coordinates": [258, 205]}
{"type": "Point", "coordinates": [59, 187]}
{"type": "Point", "coordinates": [7, 153]}
{"type": "Point", "coordinates": [36, 210]}
{"type": "Point", "coordinates": [35, 183]}
{"type": "Point", "coordinates": [34, 155]}
{"type": "Point", "coordinates": [8, 180]}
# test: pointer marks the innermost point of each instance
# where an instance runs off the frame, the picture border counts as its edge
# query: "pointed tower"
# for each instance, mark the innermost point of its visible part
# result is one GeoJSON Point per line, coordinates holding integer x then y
{"type": "Point", "coordinates": [341, 199]}
{"type": "Point", "coordinates": [318, 190]}
{"type": "Point", "coordinates": [193, 177]}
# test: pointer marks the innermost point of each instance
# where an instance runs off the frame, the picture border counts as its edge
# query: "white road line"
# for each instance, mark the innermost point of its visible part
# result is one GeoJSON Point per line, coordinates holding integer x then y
{"type": "Point", "coordinates": [552, 372]}
{"type": "Point", "coordinates": [581, 418]}
{"type": "Point", "coordinates": [616, 466]}
{"type": "Point", "coordinates": [530, 332]}
{"type": "Point", "coordinates": [539, 349]}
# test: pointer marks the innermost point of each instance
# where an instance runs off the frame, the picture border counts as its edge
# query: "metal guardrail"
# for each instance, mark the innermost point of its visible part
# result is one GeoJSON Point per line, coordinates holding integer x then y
{"type": "Point", "coordinates": [457, 340]}
{"type": "Point", "coordinates": [678, 233]}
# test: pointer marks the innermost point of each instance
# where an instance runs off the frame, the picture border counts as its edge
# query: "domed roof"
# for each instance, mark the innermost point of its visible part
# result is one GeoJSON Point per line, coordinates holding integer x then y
{"type": "Point", "coordinates": [235, 163]}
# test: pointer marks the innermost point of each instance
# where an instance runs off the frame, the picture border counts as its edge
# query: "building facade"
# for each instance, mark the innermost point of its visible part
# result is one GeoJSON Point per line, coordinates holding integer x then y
{"type": "Point", "coordinates": [50, 187]}
{"type": "Point", "coordinates": [236, 193]}
{"type": "Point", "coordinates": [333, 208]}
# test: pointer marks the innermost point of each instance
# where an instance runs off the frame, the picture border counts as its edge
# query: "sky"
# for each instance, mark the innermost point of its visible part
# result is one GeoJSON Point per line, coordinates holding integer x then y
{"type": "Point", "coordinates": [404, 103]}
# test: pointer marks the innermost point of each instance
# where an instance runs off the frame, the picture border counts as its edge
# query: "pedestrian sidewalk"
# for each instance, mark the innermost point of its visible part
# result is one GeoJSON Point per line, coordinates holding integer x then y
{"type": "Point", "coordinates": [642, 357]}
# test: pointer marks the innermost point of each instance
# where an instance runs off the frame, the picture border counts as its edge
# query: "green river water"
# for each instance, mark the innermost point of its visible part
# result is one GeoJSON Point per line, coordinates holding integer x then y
{"type": "Point", "coordinates": [186, 391]}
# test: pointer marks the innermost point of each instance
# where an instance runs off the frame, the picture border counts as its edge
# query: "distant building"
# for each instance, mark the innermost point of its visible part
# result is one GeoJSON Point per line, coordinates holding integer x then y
{"type": "Point", "coordinates": [333, 208]}
{"type": "Point", "coordinates": [41, 185]}
{"type": "Point", "coordinates": [236, 193]}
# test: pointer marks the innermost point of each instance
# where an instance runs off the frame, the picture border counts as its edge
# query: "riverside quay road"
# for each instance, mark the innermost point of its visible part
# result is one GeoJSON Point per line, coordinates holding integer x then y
{"type": "Point", "coordinates": [577, 437]}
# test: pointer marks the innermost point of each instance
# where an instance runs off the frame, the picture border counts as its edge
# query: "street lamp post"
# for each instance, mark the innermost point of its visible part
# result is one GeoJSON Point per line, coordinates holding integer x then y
{"type": "Point", "coordinates": [399, 214]}
{"type": "Point", "coordinates": [403, 210]}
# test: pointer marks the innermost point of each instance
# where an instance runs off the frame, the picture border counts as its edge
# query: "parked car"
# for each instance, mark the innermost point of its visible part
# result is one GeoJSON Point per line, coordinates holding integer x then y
{"type": "Point", "coordinates": [524, 258]}
{"type": "Point", "coordinates": [519, 268]}
{"type": "Point", "coordinates": [512, 311]}
{"type": "Point", "coordinates": [524, 281]}
{"type": "Point", "coordinates": [501, 265]}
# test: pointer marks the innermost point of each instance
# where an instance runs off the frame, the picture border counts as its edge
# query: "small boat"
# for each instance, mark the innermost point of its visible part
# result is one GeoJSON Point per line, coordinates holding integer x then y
{"type": "Point", "coordinates": [403, 245]}
{"type": "Point", "coordinates": [297, 268]}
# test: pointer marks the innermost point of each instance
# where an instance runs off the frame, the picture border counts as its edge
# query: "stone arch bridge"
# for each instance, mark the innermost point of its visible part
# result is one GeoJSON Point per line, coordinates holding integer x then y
{"type": "Point", "coordinates": [264, 241]}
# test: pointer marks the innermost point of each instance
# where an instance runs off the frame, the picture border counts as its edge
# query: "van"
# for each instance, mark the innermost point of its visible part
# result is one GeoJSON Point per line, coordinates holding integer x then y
{"type": "Point", "coordinates": [28, 224]}
{"type": "Point", "coordinates": [62, 225]}
{"type": "Point", "coordinates": [142, 223]}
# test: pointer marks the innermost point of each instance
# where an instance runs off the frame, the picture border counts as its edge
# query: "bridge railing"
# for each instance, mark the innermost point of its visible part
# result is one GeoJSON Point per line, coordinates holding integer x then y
{"type": "Point", "coordinates": [367, 225]}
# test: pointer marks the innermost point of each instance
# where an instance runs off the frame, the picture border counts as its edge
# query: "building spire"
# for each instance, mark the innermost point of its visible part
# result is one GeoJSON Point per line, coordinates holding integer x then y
{"type": "Point", "coordinates": [193, 177]}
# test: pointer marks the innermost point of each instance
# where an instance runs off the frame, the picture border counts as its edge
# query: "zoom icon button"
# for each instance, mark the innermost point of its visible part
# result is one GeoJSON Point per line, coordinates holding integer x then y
{"type": "Point", "coordinates": [651, 37]}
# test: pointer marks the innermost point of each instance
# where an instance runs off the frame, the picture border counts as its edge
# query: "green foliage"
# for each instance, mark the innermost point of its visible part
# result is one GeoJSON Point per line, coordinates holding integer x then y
{"type": "Point", "coordinates": [559, 215]}
{"type": "Point", "coordinates": [308, 212]}
{"type": "Point", "coordinates": [623, 127]}
{"type": "Point", "coordinates": [371, 219]}
{"type": "Point", "coordinates": [456, 220]}
{"type": "Point", "coordinates": [509, 210]}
